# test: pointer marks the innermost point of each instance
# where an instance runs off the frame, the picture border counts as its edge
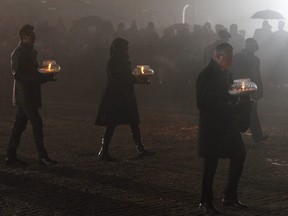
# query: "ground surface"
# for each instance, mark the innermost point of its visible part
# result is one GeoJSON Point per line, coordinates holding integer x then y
{"type": "Point", "coordinates": [167, 183]}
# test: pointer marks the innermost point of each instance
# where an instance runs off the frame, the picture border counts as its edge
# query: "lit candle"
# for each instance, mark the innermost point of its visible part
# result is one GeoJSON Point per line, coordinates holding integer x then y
{"type": "Point", "coordinates": [243, 86]}
{"type": "Point", "coordinates": [49, 66]}
{"type": "Point", "coordinates": [142, 69]}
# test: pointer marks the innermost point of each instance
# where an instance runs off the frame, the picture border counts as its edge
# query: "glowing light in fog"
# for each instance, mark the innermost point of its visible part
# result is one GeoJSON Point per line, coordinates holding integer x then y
{"type": "Point", "coordinates": [184, 13]}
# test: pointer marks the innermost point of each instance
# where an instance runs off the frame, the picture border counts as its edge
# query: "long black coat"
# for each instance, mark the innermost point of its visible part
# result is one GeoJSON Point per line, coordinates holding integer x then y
{"type": "Point", "coordinates": [118, 104]}
{"type": "Point", "coordinates": [219, 132]}
{"type": "Point", "coordinates": [247, 65]}
{"type": "Point", "coordinates": [27, 80]}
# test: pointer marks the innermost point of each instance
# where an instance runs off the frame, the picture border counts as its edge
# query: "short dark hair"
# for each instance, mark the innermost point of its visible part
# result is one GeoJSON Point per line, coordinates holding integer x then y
{"type": "Point", "coordinates": [223, 48]}
{"type": "Point", "coordinates": [26, 30]}
{"type": "Point", "coordinates": [224, 35]}
{"type": "Point", "coordinates": [251, 44]}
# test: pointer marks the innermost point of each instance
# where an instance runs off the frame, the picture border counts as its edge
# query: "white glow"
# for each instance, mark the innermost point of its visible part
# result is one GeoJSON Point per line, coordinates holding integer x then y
{"type": "Point", "coordinates": [184, 13]}
{"type": "Point", "coordinates": [227, 12]}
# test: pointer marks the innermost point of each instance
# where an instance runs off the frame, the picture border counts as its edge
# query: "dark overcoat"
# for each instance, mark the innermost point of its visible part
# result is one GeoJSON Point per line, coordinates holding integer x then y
{"type": "Point", "coordinates": [219, 133]}
{"type": "Point", "coordinates": [118, 104]}
{"type": "Point", "coordinates": [27, 79]}
{"type": "Point", "coordinates": [247, 65]}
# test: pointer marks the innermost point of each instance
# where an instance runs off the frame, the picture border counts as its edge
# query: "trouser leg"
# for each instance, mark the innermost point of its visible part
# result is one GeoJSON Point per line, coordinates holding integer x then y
{"type": "Point", "coordinates": [255, 125]}
{"type": "Point", "coordinates": [18, 128]}
{"type": "Point", "coordinates": [234, 174]}
{"type": "Point", "coordinates": [136, 135]}
{"type": "Point", "coordinates": [209, 170]}
{"type": "Point", "coordinates": [37, 126]}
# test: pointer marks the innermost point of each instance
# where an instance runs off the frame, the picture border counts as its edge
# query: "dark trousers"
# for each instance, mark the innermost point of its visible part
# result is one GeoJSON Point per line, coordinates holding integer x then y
{"type": "Point", "coordinates": [135, 131]}
{"type": "Point", "coordinates": [255, 126]}
{"type": "Point", "coordinates": [234, 174]}
{"type": "Point", "coordinates": [23, 115]}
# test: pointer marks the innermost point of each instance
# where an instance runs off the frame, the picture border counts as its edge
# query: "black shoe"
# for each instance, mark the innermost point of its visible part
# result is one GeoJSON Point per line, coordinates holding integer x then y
{"type": "Point", "coordinates": [15, 162]}
{"type": "Point", "coordinates": [143, 153]}
{"type": "Point", "coordinates": [234, 203]}
{"type": "Point", "coordinates": [105, 157]}
{"type": "Point", "coordinates": [208, 209]}
{"type": "Point", "coordinates": [46, 162]}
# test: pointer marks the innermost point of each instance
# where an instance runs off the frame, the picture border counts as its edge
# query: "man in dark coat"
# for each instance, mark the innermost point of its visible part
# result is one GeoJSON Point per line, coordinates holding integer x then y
{"type": "Point", "coordinates": [118, 105]}
{"type": "Point", "coordinates": [27, 97]}
{"type": "Point", "coordinates": [247, 65]}
{"type": "Point", "coordinates": [219, 133]}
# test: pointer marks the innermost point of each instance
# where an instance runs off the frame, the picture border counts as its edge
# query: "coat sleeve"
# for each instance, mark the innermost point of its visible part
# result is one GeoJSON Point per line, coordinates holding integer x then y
{"type": "Point", "coordinates": [212, 99]}
{"type": "Point", "coordinates": [17, 65]}
{"type": "Point", "coordinates": [118, 73]}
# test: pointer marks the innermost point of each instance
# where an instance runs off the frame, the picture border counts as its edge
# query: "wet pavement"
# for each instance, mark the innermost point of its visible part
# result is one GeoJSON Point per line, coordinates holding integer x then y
{"type": "Point", "coordinates": [168, 183]}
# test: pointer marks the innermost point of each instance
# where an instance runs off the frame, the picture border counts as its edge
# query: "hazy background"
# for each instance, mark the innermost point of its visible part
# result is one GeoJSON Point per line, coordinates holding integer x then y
{"type": "Point", "coordinates": [162, 12]}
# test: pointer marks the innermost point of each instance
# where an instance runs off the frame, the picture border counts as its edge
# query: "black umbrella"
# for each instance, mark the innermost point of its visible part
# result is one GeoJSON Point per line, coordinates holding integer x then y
{"type": "Point", "coordinates": [267, 14]}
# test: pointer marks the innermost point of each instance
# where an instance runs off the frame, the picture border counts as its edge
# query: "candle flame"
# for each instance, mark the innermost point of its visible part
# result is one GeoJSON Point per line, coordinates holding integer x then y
{"type": "Point", "coordinates": [243, 86]}
{"type": "Point", "coordinates": [142, 69]}
{"type": "Point", "coordinates": [49, 66]}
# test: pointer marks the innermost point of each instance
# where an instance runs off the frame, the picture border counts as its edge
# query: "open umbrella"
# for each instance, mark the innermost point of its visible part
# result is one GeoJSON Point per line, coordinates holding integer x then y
{"type": "Point", "coordinates": [267, 14]}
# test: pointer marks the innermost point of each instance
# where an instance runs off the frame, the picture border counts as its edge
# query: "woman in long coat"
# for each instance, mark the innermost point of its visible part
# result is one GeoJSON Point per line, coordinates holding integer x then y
{"type": "Point", "coordinates": [118, 105]}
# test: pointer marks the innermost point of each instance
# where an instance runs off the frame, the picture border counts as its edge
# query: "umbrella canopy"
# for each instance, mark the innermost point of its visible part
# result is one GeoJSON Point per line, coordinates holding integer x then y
{"type": "Point", "coordinates": [267, 14]}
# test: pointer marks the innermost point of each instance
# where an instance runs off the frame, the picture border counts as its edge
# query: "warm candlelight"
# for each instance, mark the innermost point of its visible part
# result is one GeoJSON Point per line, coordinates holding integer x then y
{"type": "Point", "coordinates": [49, 66]}
{"type": "Point", "coordinates": [243, 86]}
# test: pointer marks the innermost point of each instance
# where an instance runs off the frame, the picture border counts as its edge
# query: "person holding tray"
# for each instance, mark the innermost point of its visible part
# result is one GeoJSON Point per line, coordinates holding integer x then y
{"type": "Point", "coordinates": [27, 97]}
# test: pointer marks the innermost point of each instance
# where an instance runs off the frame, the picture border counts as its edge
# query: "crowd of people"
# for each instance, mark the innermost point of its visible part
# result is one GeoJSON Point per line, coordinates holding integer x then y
{"type": "Point", "coordinates": [176, 53]}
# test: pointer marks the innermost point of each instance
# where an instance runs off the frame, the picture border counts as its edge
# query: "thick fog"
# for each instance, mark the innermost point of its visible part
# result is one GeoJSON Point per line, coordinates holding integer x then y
{"type": "Point", "coordinates": [162, 12]}
{"type": "Point", "coordinates": [78, 33]}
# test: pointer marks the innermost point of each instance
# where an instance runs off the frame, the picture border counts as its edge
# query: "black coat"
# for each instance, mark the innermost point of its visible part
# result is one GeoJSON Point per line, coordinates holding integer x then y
{"type": "Point", "coordinates": [219, 131]}
{"type": "Point", "coordinates": [27, 80]}
{"type": "Point", "coordinates": [118, 104]}
{"type": "Point", "coordinates": [247, 65]}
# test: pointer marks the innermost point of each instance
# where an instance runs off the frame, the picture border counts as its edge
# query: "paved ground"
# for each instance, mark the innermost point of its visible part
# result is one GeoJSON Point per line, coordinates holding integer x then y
{"type": "Point", "coordinates": [166, 184]}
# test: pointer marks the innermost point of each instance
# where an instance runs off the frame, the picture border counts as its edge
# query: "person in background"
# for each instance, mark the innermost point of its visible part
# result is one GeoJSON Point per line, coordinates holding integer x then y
{"type": "Point", "coordinates": [118, 105]}
{"type": "Point", "coordinates": [27, 97]}
{"type": "Point", "coordinates": [223, 36]}
{"type": "Point", "coordinates": [247, 65]}
{"type": "Point", "coordinates": [219, 131]}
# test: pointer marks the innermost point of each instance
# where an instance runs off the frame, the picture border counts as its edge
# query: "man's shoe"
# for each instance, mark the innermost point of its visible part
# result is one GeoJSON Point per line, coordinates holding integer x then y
{"type": "Point", "coordinates": [46, 162]}
{"type": "Point", "coordinates": [106, 157]}
{"type": "Point", "coordinates": [234, 203]}
{"type": "Point", "coordinates": [208, 209]}
{"type": "Point", "coordinates": [15, 162]}
{"type": "Point", "coordinates": [143, 153]}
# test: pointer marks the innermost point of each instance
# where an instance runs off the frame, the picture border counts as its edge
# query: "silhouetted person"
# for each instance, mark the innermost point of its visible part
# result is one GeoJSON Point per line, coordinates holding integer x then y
{"type": "Point", "coordinates": [247, 65]}
{"type": "Point", "coordinates": [223, 36]}
{"type": "Point", "coordinates": [261, 35]}
{"type": "Point", "coordinates": [277, 50]}
{"type": "Point", "coordinates": [236, 40]}
{"type": "Point", "coordinates": [118, 105]}
{"type": "Point", "coordinates": [27, 97]}
{"type": "Point", "coordinates": [219, 132]}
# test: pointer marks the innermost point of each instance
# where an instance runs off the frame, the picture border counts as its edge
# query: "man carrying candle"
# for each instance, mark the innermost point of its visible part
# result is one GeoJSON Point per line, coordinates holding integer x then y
{"type": "Point", "coordinates": [27, 97]}
{"type": "Point", "coordinates": [219, 132]}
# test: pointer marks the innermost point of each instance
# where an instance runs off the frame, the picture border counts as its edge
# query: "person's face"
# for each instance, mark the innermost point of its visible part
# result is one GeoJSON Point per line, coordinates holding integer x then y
{"type": "Point", "coordinates": [29, 38]}
{"type": "Point", "coordinates": [225, 59]}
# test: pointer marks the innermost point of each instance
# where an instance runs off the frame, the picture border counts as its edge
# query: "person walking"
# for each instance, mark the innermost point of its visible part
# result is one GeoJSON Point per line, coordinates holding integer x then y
{"type": "Point", "coordinates": [219, 129]}
{"type": "Point", "coordinates": [27, 97]}
{"type": "Point", "coordinates": [118, 105]}
{"type": "Point", "coordinates": [247, 65]}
